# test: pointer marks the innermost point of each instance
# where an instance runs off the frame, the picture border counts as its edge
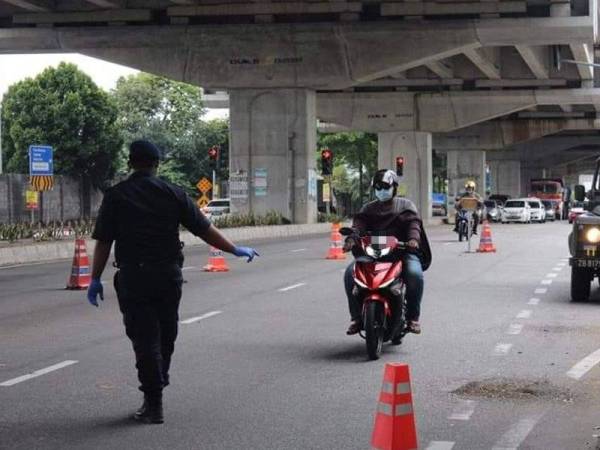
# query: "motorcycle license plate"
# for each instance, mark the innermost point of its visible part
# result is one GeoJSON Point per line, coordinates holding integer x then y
{"type": "Point", "coordinates": [587, 263]}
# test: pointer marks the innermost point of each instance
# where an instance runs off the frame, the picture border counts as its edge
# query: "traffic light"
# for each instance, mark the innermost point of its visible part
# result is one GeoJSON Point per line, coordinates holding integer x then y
{"type": "Point", "coordinates": [326, 162]}
{"type": "Point", "coordinates": [400, 165]}
{"type": "Point", "coordinates": [213, 153]}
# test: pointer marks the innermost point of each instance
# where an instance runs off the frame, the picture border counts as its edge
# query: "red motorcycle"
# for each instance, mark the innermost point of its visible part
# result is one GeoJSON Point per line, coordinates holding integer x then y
{"type": "Point", "coordinates": [378, 285]}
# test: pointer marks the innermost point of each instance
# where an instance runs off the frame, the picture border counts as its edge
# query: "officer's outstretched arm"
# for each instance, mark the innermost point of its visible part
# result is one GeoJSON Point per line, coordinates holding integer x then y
{"type": "Point", "coordinates": [214, 237]}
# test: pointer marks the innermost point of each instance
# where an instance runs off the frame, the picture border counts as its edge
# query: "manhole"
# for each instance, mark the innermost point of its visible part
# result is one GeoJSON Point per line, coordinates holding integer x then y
{"type": "Point", "coordinates": [508, 389]}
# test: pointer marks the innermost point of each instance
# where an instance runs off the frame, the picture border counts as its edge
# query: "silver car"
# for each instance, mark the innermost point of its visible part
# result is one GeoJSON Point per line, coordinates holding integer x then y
{"type": "Point", "coordinates": [217, 208]}
{"type": "Point", "coordinates": [550, 207]}
{"type": "Point", "coordinates": [492, 211]}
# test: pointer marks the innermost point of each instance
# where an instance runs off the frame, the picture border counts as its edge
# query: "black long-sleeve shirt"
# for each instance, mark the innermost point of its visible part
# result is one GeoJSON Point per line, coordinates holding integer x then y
{"type": "Point", "coordinates": [142, 215]}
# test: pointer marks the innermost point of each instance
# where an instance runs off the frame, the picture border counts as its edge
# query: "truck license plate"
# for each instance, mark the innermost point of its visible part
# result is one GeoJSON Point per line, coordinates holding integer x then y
{"type": "Point", "coordinates": [586, 263]}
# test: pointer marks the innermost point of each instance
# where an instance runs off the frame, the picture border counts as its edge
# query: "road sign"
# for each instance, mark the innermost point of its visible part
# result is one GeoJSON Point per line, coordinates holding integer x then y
{"type": "Point", "coordinates": [202, 201]}
{"type": "Point", "coordinates": [41, 167]}
{"type": "Point", "coordinates": [204, 185]}
{"type": "Point", "coordinates": [40, 160]}
{"type": "Point", "coordinates": [31, 200]}
{"type": "Point", "coordinates": [41, 183]}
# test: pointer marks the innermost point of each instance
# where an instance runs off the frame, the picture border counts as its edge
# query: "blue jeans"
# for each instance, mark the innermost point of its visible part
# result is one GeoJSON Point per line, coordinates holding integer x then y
{"type": "Point", "coordinates": [412, 274]}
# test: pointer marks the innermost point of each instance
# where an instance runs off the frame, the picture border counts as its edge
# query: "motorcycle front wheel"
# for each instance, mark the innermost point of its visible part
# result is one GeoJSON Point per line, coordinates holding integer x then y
{"type": "Point", "coordinates": [374, 329]}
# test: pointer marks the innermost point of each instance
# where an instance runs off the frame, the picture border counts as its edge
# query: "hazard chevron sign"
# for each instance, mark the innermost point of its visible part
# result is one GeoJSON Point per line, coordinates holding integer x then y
{"type": "Point", "coordinates": [41, 182]}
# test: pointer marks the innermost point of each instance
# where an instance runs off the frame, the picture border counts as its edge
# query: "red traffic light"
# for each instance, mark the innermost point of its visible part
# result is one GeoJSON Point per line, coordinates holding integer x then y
{"type": "Point", "coordinates": [213, 152]}
{"type": "Point", "coordinates": [399, 165]}
{"type": "Point", "coordinates": [326, 154]}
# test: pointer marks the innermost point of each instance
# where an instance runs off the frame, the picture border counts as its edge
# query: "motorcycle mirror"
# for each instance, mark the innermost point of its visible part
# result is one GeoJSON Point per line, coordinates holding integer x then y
{"type": "Point", "coordinates": [346, 231]}
{"type": "Point", "coordinates": [579, 193]}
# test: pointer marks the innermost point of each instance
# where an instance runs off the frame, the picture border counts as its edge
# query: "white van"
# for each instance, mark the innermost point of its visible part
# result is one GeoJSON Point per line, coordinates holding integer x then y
{"type": "Point", "coordinates": [516, 210]}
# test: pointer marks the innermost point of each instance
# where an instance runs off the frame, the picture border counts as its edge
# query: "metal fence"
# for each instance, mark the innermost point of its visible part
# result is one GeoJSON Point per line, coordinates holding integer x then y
{"type": "Point", "coordinates": [71, 199]}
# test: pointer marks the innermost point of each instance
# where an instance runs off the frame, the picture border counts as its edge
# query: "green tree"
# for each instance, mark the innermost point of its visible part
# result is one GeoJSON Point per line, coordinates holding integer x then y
{"type": "Point", "coordinates": [357, 151]}
{"type": "Point", "coordinates": [62, 107]}
{"type": "Point", "coordinates": [170, 114]}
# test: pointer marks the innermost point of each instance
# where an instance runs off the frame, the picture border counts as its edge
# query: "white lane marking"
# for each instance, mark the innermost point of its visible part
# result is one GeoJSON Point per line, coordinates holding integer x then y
{"type": "Point", "coordinates": [515, 328]}
{"type": "Point", "coordinates": [547, 282]}
{"type": "Point", "coordinates": [299, 250]}
{"type": "Point", "coordinates": [584, 366]}
{"type": "Point", "coordinates": [540, 291]}
{"type": "Point", "coordinates": [203, 316]}
{"type": "Point", "coordinates": [552, 275]}
{"type": "Point", "coordinates": [502, 349]}
{"type": "Point", "coordinates": [188, 268]}
{"type": "Point", "coordinates": [557, 269]}
{"type": "Point", "coordinates": [561, 264]}
{"type": "Point", "coordinates": [38, 373]}
{"type": "Point", "coordinates": [525, 314]}
{"type": "Point", "coordinates": [463, 411]}
{"type": "Point", "coordinates": [289, 288]}
{"type": "Point", "coordinates": [517, 433]}
{"type": "Point", "coordinates": [440, 445]}
{"type": "Point", "coordinates": [533, 301]}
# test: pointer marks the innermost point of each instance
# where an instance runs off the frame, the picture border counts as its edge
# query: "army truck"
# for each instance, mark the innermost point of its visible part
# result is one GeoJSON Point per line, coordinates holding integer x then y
{"type": "Point", "coordinates": [584, 241]}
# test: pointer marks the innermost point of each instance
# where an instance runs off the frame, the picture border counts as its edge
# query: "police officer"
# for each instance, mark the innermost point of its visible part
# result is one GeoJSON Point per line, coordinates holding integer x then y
{"type": "Point", "coordinates": [142, 216]}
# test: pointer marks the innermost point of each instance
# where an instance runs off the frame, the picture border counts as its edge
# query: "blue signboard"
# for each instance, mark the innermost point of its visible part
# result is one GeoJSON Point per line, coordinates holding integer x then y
{"type": "Point", "coordinates": [40, 160]}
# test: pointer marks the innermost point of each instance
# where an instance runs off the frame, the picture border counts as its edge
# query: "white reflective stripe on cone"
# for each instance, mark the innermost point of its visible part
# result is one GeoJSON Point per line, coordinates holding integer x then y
{"type": "Point", "coordinates": [401, 410]}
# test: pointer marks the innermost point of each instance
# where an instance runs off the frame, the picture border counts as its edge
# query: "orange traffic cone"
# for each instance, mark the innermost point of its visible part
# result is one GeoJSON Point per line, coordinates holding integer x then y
{"type": "Point", "coordinates": [80, 272]}
{"type": "Point", "coordinates": [395, 427]}
{"type": "Point", "coordinates": [485, 243]}
{"type": "Point", "coordinates": [336, 250]}
{"type": "Point", "coordinates": [216, 261]}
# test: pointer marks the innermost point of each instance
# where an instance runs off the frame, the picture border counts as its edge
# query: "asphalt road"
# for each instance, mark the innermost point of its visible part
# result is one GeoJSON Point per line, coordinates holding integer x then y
{"type": "Point", "coordinates": [264, 362]}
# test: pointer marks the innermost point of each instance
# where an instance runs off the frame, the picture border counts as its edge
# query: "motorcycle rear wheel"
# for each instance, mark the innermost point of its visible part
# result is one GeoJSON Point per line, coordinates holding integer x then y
{"type": "Point", "coordinates": [374, 329]}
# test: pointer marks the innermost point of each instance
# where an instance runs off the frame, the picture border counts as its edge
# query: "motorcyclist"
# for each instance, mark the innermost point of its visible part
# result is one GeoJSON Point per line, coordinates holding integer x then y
{"type": "Point", "coordinates": [466, 197]}
{"type": "Point", "coordinates": [399, 217]}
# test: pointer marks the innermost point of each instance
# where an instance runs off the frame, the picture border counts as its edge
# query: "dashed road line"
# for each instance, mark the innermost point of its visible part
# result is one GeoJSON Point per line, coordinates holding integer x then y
{"type": "Point", "coordinates": [502, 349]}
{"type": "Point", "coordinates": [551, 275]}
{"type": "Point", "coordinates": [517, 433]}
{"type": "Point", "coordinates": [38, 373]}
{"type": "Point", "coordinates": [293, 286]}
{"type": "Point", "coordinates": [440, 445]}
{"type": "Point", "coordinates": [188, 268]}
{"type": "Point", "coordinates": [198, 318]}
{"type": "Point", "coordinates": [525, 314]}
{"type": "Point", "coordinates": [557, 269]}
{"type": "Point", "coordinates": [540, 291]}
{"type": "Point", "coordinates": [547, 282]}
{"type": "Point", "coordinates": [533, 301]}
{"type": "Point", "coordinates": [463, 410]}
{"type": "Point", "coordinates": [298, 250]}
{"type": "Point", "coordinates": [515, 328]}
{"type": "Point", "coordinates": [584, 366]}
{"type": "Point", "coordinates": [561, 264]}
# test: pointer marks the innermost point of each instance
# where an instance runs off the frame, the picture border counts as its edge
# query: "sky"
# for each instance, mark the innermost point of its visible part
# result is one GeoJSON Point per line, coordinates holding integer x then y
{"type": "Point", "coordinates": [14, 68]}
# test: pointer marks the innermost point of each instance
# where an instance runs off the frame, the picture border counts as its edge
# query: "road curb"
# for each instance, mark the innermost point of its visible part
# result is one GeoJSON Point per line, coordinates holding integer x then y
{"type": "Point", "coordinates": [17, 254]}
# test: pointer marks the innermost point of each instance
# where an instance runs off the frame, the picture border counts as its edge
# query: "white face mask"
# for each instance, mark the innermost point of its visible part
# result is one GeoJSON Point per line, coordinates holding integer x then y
{"type": "Point", "coordinates": [383, 195]}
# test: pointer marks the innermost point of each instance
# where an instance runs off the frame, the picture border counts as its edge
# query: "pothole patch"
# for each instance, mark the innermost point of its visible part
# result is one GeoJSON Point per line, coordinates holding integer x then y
{"type": "Point", "coordinates": [512, 389]}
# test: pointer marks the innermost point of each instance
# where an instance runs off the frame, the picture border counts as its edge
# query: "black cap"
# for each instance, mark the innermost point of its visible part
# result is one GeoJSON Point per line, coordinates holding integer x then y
{"type": "Point", "coordinates": [143, 150]}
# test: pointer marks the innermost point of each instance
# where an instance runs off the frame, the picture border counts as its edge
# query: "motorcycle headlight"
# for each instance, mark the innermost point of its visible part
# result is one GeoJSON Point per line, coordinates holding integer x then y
{"type": "Point", "coordinates": [593, 235]}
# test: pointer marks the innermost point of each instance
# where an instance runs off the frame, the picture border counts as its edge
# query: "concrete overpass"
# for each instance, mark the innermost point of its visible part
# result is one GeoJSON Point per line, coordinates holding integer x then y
{"type": "Point", "coordinates": [415, 72]}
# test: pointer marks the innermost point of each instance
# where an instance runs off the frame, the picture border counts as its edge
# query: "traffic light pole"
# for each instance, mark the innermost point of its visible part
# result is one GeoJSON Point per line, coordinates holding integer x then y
{"type": "Point", "coordinates": [214, 184]}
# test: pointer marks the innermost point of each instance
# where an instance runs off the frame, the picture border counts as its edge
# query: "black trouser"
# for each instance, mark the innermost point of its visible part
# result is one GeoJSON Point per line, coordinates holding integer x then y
{"type": "Point", "coordinates": [149, 300]}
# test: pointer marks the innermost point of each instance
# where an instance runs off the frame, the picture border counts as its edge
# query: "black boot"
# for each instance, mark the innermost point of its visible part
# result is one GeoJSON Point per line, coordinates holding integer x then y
{"type": "Point", "coordinates": [151, 410]}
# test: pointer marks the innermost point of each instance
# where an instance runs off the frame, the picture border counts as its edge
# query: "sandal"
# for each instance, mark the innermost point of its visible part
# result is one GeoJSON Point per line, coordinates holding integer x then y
{"type": "Point", "coordinates": [414, 327]}
{"type": "Point", "coordinates": [354, 328]}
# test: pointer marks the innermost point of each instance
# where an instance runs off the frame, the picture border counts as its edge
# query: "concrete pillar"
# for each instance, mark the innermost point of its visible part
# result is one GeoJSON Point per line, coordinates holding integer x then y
{"type": "Point", "coordinates": [415, 147]}
{"type": "Point", "coordinates": [463, 166]}
{"type": "Point", "coordinates": [506, 177]}
{"type": "Point", "coordinates": [272, 152]}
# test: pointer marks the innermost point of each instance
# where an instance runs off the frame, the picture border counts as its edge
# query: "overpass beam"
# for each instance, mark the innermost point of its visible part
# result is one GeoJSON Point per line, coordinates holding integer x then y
{"type": "Point", "coordinates": [272, 142]}
{"type": "Point", "coordinates": [417, 182]}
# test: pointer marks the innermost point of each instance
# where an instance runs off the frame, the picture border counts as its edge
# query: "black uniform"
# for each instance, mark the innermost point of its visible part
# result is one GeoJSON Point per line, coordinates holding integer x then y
{"type": "Point", "coordinates": [142, 215]}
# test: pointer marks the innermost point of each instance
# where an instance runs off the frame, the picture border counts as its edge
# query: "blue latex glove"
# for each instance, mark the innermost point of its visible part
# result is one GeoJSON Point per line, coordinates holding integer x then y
{"type": "Point", "coordinates": [247, 252]}
{"type": "Point", "coordinates": [93, 291]}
